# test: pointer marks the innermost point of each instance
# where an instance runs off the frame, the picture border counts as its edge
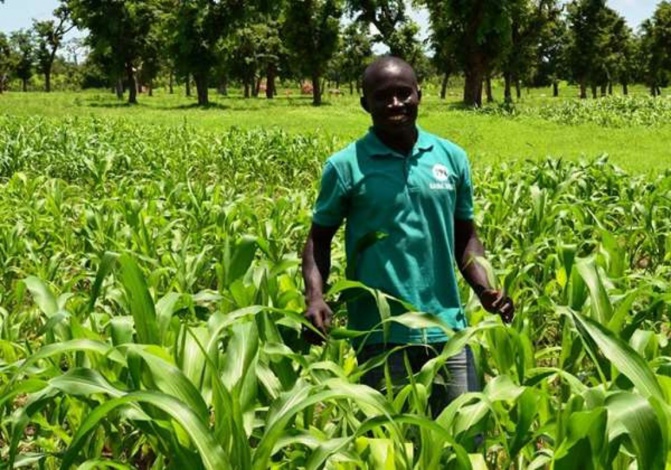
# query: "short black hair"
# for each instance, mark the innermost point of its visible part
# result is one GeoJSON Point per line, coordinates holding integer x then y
{"type": "Point", "coordinates": [381, 63]}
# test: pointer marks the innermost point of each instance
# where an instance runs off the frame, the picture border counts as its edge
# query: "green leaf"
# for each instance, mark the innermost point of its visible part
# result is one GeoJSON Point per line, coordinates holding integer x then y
{"type": "Point", "coordinates": [632, 414]}
{"type": "Point", "coordinates": [213, 456]}
{"type": "Point", "coordinates": [42, 295]}
{"type": "Point", "coordinates": [107, 264]}
{"type": "Point", "coordinates": [140, 301]}
{"type": "Point", "coordinates": [600, 302]}
{"type": "Point", "coordinates": [621, 355]}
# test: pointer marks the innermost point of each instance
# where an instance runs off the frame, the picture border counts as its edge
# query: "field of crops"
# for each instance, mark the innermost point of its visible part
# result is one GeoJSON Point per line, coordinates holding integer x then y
{"type": "Point", "coordinates": [151, 301]}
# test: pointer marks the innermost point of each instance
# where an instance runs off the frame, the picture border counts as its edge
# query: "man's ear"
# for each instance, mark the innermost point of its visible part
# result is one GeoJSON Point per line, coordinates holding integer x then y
{"type": "Point", "coordinates": [364, 103]}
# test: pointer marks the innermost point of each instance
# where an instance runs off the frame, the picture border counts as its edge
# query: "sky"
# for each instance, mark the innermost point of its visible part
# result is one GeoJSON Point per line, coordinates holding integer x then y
{"type": "Point", "coordinates": [16, 14]}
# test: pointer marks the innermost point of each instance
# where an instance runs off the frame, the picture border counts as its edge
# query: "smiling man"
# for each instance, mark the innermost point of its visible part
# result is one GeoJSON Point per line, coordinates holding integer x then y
{"type": "Point", "coordinates": [410, 191]}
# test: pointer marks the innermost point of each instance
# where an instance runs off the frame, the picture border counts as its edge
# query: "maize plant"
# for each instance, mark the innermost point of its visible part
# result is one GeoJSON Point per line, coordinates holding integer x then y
{"type": "Point", "coordinates": [151, 313]}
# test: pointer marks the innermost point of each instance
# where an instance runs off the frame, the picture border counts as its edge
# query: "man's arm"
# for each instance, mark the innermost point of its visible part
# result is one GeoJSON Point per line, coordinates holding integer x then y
{"type": "Point", "coordinates": [316, 268]}
{"type": "Point", "coordinates": [468, 248]}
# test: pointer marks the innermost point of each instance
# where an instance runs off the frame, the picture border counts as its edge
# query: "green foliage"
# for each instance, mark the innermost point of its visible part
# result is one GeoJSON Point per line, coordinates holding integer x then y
{"type": "Point", "coordinates": [655, 47]}
{"type": "Point", "coordinates": [121, 32]}
{"type": "Point", "coordinates": [311, 31]}
{"type": "Point", "coordinates": [394, 27]}
{"type": "Point", "coordinates": [150, 310]}
{"type": "Point", "coordinates": [613, 111]}
{"type": "Point", "coordinates": [23, 55]}
{"type": "Point", "coordinates": [49, 38]}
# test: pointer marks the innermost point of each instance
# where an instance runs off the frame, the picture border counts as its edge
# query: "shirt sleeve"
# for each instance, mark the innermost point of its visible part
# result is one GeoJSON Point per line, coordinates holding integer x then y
{"type": "Point", "coordinates": [464, 208]}
{"type": "Point", "coordinates": [331, 206]}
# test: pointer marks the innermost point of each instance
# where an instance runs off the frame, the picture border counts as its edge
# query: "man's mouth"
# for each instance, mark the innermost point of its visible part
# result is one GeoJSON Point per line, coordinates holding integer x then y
{"type": "Point", "coordinates": [397, 118]}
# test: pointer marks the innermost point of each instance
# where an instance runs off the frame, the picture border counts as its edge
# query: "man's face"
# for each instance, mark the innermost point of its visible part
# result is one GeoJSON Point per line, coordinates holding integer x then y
{"type": "Point", "coordinates": [392, 98]}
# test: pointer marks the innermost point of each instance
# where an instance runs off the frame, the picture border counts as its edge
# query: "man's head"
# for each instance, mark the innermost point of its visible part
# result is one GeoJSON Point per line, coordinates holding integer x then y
{"type": "Point", "coordinates": [391, 94]}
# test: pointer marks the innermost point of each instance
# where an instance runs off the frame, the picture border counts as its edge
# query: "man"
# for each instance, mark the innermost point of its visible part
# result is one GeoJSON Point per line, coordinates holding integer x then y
{"type": "Point", "coordinates": [409, 194]}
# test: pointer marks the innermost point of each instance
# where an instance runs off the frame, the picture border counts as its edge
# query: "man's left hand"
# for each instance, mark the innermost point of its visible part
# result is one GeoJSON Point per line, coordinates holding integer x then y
{"type": "Point", "coordinates": [495, 301]}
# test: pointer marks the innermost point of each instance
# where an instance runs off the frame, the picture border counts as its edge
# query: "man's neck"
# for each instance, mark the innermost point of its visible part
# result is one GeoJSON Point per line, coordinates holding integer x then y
{"type": "Point", "coordinates": [401, 142]}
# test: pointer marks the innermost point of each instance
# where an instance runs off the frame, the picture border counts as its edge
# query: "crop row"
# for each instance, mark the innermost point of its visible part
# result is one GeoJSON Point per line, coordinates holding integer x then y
{"type": "Point", "coordinates": [150, 313]}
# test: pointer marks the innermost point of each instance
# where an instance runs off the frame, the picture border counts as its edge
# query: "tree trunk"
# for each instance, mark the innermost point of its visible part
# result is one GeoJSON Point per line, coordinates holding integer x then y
{"type": "Point", "coordinates": [659, 91]}
{"type": "Point", "coordinates": [518, 89]}
{"type": "Point", "coordinates": [246, 92]}
{"type": "Point", "coordinates": [24, 87]}
{"type": "Point", "coordinates": [594, 92]}
{"type": "Point", "coordinates": [316, 91]}
{"type": "Point", "coordinates": [610, 88]}
{"type": "Point", "coordinates": [507, 93]}
{"type": "Point", "coordinates": [47, 81]}
{"type": "Point", "coordinates": [555, 89]}
{"type": "Point", "coordinates": [223, 86]}
{"type": "Point", "coordinates": [171, 80]}
{"type": "Point", "coordinates": [488, 89]}
{"type": "Point", "coordinates": [188, 85]}
{"type": "Point", "coordinates": [443, 85]}
{"type": "Point", "coordinates": [257, 87]}
{"type": "Point", "coordinates": [625, 88]}
{"type": "Point", "coordinates": [270, 81]}
{"type": "Point", "coordinates": [201, 88]}
{"type": "Point", "coordinates": [604, 89]}
{"type": "Point", "coordinates": [119, 88]}
{"type": "Point", "coordinates": [474, 75]}
{"type": "Point", "coordinates": [150, 88]}
{"type": "Point", "coordinates": [351, 88]}
{"type": "Point", "coordinates": [132, 85]}
{"type": "Point", "coordinates": [583, 90]}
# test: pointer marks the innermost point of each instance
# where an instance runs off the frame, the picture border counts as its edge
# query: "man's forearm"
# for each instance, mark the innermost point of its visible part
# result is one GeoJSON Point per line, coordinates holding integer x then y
{"type": "Point", "coordinates": [471, 269]}
{"type": "Point", "coordinates": [317, 261]}
{"type": "Point", "coordinates": [316, 268]}
{"type": "Point", "coordinates": [468, 251]}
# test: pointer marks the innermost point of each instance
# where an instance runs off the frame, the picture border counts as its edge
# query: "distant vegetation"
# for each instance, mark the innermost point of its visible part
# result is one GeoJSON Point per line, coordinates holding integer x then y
{"type": "Point", "coordinates": [135, 45]}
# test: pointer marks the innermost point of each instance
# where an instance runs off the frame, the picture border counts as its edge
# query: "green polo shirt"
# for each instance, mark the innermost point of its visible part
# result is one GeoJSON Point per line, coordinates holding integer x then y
{"type": "Point", "coordinates": [414, 201]}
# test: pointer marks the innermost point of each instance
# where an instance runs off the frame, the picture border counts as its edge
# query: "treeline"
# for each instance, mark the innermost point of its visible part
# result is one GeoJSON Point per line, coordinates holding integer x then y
{"type": "Point", "coordinates": [133, 44]}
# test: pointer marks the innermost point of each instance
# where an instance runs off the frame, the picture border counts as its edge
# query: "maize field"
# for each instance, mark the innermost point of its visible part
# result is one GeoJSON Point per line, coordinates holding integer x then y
{"type": "Point", "coordinates": [151, 311]}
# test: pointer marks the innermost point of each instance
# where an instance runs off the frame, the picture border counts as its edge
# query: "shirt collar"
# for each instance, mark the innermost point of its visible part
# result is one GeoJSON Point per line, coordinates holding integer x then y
{"type": "Point", "coordinates": [376, 148]}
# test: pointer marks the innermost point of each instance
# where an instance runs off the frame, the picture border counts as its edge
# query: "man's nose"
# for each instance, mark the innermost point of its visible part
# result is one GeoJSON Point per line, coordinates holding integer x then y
{"type": "Point", "coordinates": [395, 101]}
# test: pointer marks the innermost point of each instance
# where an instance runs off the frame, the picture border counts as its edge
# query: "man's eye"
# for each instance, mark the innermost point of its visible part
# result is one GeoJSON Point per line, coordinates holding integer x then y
{"type": "Point", "coordinates": [404, 94]}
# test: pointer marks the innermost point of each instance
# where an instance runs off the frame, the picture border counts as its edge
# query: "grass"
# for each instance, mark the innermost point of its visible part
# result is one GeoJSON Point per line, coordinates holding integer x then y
{"type": "Point", "coordinates": [489, 137]}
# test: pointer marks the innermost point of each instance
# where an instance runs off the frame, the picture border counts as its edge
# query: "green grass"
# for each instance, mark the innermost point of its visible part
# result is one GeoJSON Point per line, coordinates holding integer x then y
{"type": "Point", "coordinates": [488, 137]}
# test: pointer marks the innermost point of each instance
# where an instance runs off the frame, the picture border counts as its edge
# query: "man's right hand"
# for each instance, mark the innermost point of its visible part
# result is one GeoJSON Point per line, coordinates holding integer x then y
{"type": "Point", "coordinates": [319, 314]}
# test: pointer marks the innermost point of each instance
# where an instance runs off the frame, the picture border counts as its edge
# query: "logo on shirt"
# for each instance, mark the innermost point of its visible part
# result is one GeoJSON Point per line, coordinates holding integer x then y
{"type": "Point", "coordinates": [442, 176]}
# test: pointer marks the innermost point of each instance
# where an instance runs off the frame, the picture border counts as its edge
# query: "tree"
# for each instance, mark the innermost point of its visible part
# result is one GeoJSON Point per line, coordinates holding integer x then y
{"type": "Point", "coordinates": [355, 53]}
{"type": "Point", "coordinates": [49, 36]}
{"type": "Point", "coordinates": [23, 53]}
{"type": "Point", "coordinates": [478, 31]}
{"type": "Point", "coordinates": [619, 52]}
{"type": "Point", "coordinates": [593, 48]}
{"type": "Point", "coordinates": [528, 20]}
{"type": "Point", "coordinates": [551, 54]}
{"type": "Point", "coordinates": [656, 47]}
{"type": "Point", "coordinates": [198, 27]}
{"type": "Point", "coordinates": [5, 60]}
{"type": "Point", "coordinates": [395, 29]}
{"type": "Point", "coordinates": [311, 32]}
{"type": "Point", "coordinates": [119, 30]}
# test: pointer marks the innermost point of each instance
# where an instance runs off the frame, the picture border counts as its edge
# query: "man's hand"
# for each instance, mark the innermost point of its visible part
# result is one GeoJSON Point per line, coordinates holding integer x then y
{"type": "Point", "coordinates": [495, 301]}
{"type": "Point", "coordinates": [319, 314]}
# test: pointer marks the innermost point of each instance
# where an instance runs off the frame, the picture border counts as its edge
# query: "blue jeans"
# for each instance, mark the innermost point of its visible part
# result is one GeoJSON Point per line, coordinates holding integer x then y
{"type": "Point", "coordinates": [455, 378]}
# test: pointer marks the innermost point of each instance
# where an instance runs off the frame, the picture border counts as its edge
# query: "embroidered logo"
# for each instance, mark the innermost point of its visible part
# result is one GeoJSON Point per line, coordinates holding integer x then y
{"type": "Point", "coordinates": [440, 172]}
{"type": "Point", "coordinates": [442, 176]}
